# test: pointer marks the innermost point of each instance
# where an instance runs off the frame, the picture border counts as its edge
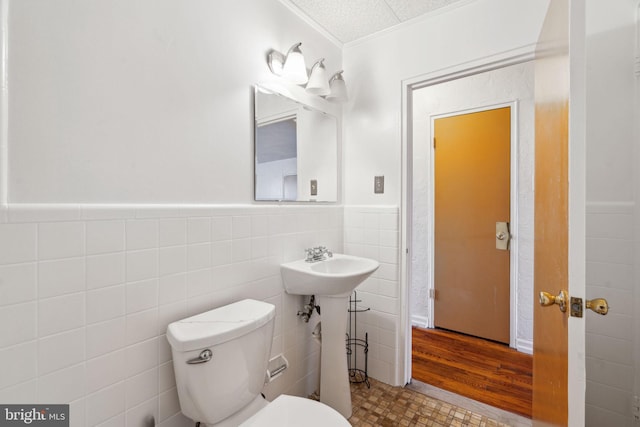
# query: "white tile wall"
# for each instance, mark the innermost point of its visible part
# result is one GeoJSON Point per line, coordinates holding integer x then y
{"type": "Point", "coordinates": [61, 277]}
{"type": "Point", "coordinates": [86, 294]}
{"type": "Point", "coordinates": [105, 237]}
{"type": "Point", "coordinates": [610, 339]}
{"type": "Point", "coordinates": [60, 314]}
{"type": "Point", "coordinates": [25, 275]}
{"type": "Point", "coordinates": [60, 240]}
{"type": "Point", "coordinates": [373, 232]}
{"type": "Point", "coordinates": [18, 243]}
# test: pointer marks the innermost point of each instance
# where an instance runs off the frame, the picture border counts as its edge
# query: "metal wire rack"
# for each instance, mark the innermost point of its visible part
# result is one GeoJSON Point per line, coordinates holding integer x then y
{"type": "Point", "coordinates": [356, 345]}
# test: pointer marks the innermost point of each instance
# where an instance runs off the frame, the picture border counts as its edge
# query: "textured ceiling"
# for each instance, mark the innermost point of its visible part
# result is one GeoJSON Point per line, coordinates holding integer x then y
{"type": "Point", "coordinates": [349, 20]}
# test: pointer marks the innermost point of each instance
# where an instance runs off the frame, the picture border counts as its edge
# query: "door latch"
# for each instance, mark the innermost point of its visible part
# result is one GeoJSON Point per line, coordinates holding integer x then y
{"type": "Point", "coordinates": [576, 307]}
{"type": "Point", "coordinates": [503, 236]}
{"type": "Point", "coordinates": [598, 305]}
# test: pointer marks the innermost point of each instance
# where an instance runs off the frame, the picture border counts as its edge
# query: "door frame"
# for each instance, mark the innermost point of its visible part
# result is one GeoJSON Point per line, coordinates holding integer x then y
{"type": "Point", "coordinates": [513, 207]}
{"type": "Point", "coordinates": [480, 65]}
{"type": "Point", "coordinates": [577, 198]}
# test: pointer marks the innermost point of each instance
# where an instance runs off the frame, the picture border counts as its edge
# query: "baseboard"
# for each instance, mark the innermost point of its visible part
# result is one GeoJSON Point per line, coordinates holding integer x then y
{"type": "Point", "coordinates": [419, 321]}
{"type": "Point", "coordinates": [524, 346]}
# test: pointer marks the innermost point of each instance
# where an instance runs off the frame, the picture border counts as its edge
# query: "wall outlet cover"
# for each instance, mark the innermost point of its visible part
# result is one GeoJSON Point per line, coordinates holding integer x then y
{"type": "Point", "coordinates": [378, 184]}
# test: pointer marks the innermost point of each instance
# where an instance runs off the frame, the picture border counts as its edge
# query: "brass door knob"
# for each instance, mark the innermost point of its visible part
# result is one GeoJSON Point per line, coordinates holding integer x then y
{"type": "Point", "coordinates": [546, 299]}
{"type": "Point", "coordinates": [598, 305]}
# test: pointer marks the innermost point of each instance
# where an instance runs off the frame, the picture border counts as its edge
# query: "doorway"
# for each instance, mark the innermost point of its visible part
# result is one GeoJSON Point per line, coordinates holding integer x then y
{"type": "Point", "coordinates": [468, 94]}
{"type": "Point", "coordinates": [472, 177]}
{"type": "Point", "coordinates": [510, 86]}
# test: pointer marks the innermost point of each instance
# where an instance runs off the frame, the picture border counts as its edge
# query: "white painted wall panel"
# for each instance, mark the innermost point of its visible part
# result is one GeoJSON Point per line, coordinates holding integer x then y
{"type": "Point", "coordinates": [145, 102]}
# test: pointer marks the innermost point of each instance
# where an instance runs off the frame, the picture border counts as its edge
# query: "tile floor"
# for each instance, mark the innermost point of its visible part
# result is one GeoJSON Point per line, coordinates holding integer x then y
{"type": "Point", "coordinates": [387, 406]}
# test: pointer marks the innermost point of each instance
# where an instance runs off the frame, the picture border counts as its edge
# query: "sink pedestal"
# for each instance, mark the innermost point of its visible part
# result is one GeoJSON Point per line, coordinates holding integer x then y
{"type": "Point", "coordinates": [331, 280]}
{"type": "Point", "coordinates": [334, 374]}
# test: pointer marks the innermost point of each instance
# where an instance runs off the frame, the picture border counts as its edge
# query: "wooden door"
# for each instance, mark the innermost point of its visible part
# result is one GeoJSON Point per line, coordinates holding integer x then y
{"type": "Point", "coordinates": [550, 374]}
{"type": "Point", "coordinates": [552, 212]}
{"type": "Point", "coordinates": [472, 193]}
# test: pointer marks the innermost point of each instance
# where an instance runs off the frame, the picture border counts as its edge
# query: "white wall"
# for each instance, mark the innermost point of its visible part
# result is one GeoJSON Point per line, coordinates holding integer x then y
{"type": "Point", "coordinates": [128, 168]}
{"type": "Point", "coordinates": [375, 69]}
{"type": "Point", "coordinates": [611, 35]}
{"type": "Point", "coordinates": [504, 85]}
{"type": "Point", "coordinates": [144, 102]}
{"type": "Point", "coordinates": [612, 269]}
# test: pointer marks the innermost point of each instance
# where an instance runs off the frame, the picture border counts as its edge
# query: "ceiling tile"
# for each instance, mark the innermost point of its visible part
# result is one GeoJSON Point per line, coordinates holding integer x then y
{"type": "Point", "coordinates": [408, 9]}
{"type": "Point", "coordinates": [349, 20]}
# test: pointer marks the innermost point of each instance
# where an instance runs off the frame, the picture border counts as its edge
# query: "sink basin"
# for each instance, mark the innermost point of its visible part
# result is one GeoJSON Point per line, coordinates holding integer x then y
{"type": "Point", "coordinates": [336, 276]}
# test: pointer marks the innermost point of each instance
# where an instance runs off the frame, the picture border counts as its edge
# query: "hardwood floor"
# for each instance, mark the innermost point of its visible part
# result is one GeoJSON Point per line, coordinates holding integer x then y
{"type": "Point", "coordinates": [482, 370]}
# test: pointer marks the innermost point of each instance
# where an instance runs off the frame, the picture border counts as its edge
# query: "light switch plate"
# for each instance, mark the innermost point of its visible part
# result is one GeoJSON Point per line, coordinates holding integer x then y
{"type": "Point", "coordinates": [314, 187]}
{"type": "Point", "coordinates": [378, 184]}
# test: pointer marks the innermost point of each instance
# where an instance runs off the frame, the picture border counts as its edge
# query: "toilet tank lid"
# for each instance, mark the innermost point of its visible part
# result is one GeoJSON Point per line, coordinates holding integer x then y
{"type": "Point", "coordinates": [219, 325]}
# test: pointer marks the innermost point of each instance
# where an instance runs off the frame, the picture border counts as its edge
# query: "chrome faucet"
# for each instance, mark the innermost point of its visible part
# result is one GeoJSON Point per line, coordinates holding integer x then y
{"type": "Point", "coordinates": [318, 253]}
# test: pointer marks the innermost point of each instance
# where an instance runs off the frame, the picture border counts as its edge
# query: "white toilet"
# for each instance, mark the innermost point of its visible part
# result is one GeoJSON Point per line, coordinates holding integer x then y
{"type": "Point", "coordinates": [220, 360]}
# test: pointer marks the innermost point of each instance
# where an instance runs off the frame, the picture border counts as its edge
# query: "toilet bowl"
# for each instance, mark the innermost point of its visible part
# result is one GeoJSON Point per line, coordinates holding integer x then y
{"type": "Point", "coordinates": [220, 359]}
{"type": "Point", "coordinates": [290, 411]}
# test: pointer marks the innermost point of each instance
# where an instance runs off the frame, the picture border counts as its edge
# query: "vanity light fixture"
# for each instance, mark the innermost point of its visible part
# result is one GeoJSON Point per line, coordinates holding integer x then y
{"type": "Point", "coordinates": [290, 67]}
{"type": "Point", "coordinates": [318, 82]}
{"type": "Point", "coordinates": [338, 88]}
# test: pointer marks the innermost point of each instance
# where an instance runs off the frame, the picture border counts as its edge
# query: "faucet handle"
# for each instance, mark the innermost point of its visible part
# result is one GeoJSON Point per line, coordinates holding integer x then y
{"type": "Point", "coordinates": [309, 254]}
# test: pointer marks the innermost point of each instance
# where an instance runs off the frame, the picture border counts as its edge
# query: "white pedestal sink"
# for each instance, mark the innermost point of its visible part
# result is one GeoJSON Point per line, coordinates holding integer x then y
{"type": "Point", "coordinates": [331, 281]}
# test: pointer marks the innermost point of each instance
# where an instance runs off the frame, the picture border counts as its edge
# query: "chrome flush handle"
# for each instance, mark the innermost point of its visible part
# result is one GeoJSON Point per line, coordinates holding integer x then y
{"type": "Point", "coordinates": [204, 357]}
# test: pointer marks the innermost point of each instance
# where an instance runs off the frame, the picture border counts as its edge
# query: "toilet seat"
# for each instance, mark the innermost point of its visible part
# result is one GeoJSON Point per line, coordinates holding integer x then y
{"type": "Point", "coordinates": [290, 411]}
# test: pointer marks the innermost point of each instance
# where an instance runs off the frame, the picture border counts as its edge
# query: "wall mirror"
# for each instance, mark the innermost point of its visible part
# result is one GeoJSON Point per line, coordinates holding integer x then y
{"type": "Point", "coordinates": [296, 150]}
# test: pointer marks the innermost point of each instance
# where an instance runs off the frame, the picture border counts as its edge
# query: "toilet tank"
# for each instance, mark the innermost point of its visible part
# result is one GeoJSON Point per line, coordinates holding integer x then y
{"type": "Point", "coordinates": [239, 338]}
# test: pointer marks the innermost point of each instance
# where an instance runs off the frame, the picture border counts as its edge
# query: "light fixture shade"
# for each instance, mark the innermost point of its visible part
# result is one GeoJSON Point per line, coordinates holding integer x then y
{"type": "Point", "coordinates": [338, 88]}
{"type": "Point", "coordinates": [294, 68]}
{"type": "Point", "coordinates": [318, 82]}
